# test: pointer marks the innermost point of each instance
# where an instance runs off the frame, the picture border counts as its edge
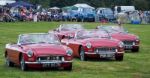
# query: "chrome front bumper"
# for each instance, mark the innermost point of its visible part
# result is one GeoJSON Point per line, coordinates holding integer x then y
{"type": "Point", "coordinates": [100, 53]}
{"type": "Point", "coordinates": [48, 62]}
{"type": "Point", "coordinates": [104, 52]}
{"type": "Point", "coordinates": [128, 47]}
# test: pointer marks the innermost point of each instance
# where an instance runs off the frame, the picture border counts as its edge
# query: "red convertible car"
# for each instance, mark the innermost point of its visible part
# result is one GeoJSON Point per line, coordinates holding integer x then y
{"type": "Point", "coordinates": [67, 30]}
{"type": "Point", "coordinates": [131, 41]}
{"type": "Point", "coordinates": [38, 50]}
{"type": "Point", "coordinates": [87, 43]}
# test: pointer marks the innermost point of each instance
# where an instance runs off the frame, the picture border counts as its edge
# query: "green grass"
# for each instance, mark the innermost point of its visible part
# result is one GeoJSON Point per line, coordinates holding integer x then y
{"type": "Point", "coordinates": [135, 65]}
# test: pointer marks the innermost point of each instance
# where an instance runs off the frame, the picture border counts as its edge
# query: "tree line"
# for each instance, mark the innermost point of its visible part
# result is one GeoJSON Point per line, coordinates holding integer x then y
{"type": "Point", "coordinates": [139, 4]}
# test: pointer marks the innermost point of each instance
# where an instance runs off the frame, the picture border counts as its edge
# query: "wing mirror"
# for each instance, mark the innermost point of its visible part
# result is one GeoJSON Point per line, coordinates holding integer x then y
{"type": "Point", "coordinates": [70, 37]}
{"type": "Point", "coordinates": [56, 30]}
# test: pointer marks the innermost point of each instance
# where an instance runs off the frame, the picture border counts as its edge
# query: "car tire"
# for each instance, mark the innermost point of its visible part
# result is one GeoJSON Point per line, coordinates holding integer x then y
{"type": "Point", "coordinates": [23, 66]}
{"type": "Point", "coordinates": [69, 68]}
{"type": "Point", "coordinates": [119, 58]}
{"type": "Point", "coordinates": [9, 63]}
{"type": "Point", "coordinates": [135, 50]}
{"type": "Point", "coordinates": [82, 54]}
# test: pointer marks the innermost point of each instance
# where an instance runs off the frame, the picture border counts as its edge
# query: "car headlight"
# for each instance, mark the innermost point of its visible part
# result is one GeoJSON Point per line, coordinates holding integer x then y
{"type": "Point", "coordinates": [69, 52]}
{"type": "Point", "coordinates": [88, 45]}
{"type": "Point", "coordinates": [30, 53]}
{"type": "Point", "coordinates": [121, 44]}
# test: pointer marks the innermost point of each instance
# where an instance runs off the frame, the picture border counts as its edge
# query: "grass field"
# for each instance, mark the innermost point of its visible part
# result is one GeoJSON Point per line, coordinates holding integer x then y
{"type": "Point", "coordinates": [135, 65]}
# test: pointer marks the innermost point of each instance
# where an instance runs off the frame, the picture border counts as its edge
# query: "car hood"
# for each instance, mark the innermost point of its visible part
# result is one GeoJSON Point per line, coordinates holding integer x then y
{"type": "Point", "coordinates": [101, 42]}
{"type": "Point", "coordinates": [124, 36]}
{"type": "Point", "coordinates": [46, 49]}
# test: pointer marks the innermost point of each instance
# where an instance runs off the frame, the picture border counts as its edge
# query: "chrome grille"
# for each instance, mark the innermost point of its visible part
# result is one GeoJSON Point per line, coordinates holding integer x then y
{"type": "Point", "coordinates": [105, 49]}
{"type": "Point", "coordinates": [49, 58]}
{"type": "Point", "coordinates": [128, 42]}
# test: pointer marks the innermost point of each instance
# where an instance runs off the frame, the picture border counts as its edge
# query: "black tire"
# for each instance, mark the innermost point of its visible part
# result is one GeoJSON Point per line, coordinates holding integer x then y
{"type": "Point", "coordinates": [82, 54]}
{"type": "Point", "coordinates": [119, 57]}
{"type": "Point", "coordinates": [69, 68]}
{"type": "Point", "coordinates": [23, 66]}
{"type": "Point", "coordinates": [135, 50]}
{"type": "Point", "coordinates": [9, 63]}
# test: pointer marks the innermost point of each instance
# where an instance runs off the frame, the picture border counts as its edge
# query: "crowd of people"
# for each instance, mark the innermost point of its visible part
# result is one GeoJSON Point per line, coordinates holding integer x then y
{"type": "Point", "coordinates": [24, 14]}
{"type": "Point", "coordinates": [29, 14]}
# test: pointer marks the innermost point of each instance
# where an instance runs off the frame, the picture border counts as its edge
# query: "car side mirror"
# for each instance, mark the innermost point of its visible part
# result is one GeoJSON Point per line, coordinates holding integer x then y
{"type": "Point", "coordinates": [20, 46]}
{"type": "Point", "coordinates": [70, 37]}
{"type": "Point", "coordinates": [56, 30]}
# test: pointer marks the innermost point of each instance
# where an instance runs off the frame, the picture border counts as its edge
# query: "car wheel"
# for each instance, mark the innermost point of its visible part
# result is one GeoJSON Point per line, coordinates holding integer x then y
{"type": "Point", "coordinates": [9, 63]}
{"type": "Point", "coordinates": [82, 55]}
{"type": "Point", "coordinates": [23, 65]}
{"type": "Point", "coordinates": [69, 68]}
{"type": "Point", "coordinates": [119, 57]}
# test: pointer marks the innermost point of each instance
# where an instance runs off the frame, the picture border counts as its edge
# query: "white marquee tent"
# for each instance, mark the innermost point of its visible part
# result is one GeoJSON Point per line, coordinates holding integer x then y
{"type": "Point", "coordinates": [83, 6]}
{"type": "Point", "coordinates": [4, 2]}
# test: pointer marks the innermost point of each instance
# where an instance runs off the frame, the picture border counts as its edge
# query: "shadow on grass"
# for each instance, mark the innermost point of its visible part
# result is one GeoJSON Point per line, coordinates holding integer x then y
{"type": "Point", "coordinates": [53, 69]}
{"type": "Point", "coordinates": [129, 51]}
{"type": "Point", "coordinates": [99, 60]}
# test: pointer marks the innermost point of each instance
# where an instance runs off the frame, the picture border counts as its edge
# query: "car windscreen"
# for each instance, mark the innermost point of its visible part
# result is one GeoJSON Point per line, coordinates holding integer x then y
{"type": "Point", "coordinates": [108, 11]}
{"type": "Point", "coordinates": [38, 38]}
{"type": "Point", "coordinates": [102, 34]}
{"type": "Point", "coordinates": [114, 29]}
{"type": "Point", "coordinates": [88, 10]}
{"type": "Point", "coordinates": [86, 34]}
{"type": "Point", "coordinates": [71, 27]}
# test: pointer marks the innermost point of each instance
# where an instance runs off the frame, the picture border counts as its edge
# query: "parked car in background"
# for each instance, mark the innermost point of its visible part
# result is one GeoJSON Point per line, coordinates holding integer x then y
{"type": "Point", "coordinates": [65, 30]}
{"type": "Point", "coordinates": [38, 50]}
{"type": "Point", "coordinates": [87, 44]}
{"type": "Point", "coordinates": [81, 12]}
{"type": "Point", "coordinates": [105, 14]}
{"type": "Point", "coordinates": [131, 41]}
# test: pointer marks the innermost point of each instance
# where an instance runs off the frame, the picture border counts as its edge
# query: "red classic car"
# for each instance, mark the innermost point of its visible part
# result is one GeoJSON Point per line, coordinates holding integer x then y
{"type": "Point", "coordinates": [86, 44]}
{"type": "Point", "coordinates": [131, 41]}
{"type": "Point", "coordinates": [38, 50]}
{"type": "Point", "coordinates": [67, 30]}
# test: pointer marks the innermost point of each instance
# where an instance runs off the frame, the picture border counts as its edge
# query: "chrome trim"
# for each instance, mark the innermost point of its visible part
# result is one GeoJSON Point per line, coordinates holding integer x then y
{"type": "Point", "coordinates": [90, 53]}
{"type": "Point", "coordinates": [48, 62]}
{"type": "Point", "coordinates": [100, 53]}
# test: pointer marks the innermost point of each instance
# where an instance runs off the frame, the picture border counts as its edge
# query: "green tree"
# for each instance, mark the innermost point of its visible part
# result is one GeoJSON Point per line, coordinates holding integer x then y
{"type": "Point", "coordinates": [141, 4]}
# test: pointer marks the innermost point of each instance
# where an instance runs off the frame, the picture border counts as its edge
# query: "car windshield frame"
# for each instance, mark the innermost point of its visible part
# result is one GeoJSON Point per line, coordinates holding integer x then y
{"type": "Point", "coordinates": [114, 29]}
{"type": "Point", "coordinates": [84, 34]}
{"type": "Point", "coordinates": [103, 34]}
{"type": "Point", "coordinates": [70, 27]}
{"type": "Point", "coordinates": [38, 38]}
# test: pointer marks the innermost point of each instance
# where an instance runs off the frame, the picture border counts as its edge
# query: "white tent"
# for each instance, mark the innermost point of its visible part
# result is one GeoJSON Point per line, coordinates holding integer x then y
{"type": "Point", "coordinates": [4, 2]}
{"type": "Point", "coordinates": [56, 8]}
{"type": "Point", "coordinates": [83, 6]}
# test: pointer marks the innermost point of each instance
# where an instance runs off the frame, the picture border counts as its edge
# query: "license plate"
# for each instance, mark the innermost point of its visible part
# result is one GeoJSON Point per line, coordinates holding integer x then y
{"type": "Point", "coordinates": [103, 55]}
{"type": "Point", "coordinates": [128, 47]}
{"type": "Point", "coordinates": [51, 65]}
{"type": "Point", "coordinates": [106, 55]}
